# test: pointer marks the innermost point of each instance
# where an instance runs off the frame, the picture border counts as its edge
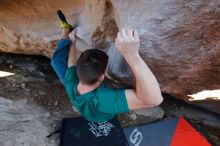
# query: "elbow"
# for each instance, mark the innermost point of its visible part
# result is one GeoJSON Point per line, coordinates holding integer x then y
{"type": "Point", "coordinates": [159, 100]}
{"type": "Point", "coordinates": [156, 102]}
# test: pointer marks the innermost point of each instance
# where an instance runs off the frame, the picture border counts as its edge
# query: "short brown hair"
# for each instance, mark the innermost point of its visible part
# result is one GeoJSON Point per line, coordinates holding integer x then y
{"type": "Point", "coordinates": [90, 65]}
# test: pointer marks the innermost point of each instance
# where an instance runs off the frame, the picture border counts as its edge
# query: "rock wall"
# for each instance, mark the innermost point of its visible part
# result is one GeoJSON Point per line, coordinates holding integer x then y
{"type": "Point", "coordinates": [180, 40]}
{"type": "Point", "coordinates": [31, 27]}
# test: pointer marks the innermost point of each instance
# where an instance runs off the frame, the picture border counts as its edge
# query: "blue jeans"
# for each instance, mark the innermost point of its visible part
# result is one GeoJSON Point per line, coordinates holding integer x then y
{"type": "Point", "coordinates": [60, 58]}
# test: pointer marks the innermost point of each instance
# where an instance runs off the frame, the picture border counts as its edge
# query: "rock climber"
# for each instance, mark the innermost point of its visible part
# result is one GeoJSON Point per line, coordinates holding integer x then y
{"type": "Point", "coordinates": [83, 78]}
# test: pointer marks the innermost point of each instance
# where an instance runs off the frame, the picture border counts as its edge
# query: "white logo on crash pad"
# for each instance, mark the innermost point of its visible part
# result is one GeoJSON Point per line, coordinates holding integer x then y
{"type": "Point", "coordinates": [100, 129]}
{"type": "Point", "coordinates": [136, 137]}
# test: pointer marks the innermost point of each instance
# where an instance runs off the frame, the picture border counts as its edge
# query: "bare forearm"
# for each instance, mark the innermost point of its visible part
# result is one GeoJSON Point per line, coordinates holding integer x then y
{"type": "Point", "coordinates": [147, 88]}
{"type": "Point", "coordinates": [72, 57]}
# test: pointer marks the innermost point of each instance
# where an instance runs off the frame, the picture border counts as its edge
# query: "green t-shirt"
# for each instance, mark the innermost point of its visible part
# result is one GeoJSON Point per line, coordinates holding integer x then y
{"type": "Point", "coordinates": [98, 105]}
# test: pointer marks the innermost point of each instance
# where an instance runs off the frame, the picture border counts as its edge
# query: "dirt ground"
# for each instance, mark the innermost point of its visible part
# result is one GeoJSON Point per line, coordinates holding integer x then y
{"type": "Point", "coordinates": [35, 80]}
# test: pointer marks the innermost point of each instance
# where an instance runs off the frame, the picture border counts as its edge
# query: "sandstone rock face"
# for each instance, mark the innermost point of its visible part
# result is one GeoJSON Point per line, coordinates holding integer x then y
{"type": "Point", "coordinates": [180, 40]}
{"type": "Point", "coordinates": [31, 27]}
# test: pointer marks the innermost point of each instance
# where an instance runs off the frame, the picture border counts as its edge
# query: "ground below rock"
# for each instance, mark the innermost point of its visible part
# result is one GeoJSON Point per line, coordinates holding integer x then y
{"type": "Point", "coordinates": [23, 124]}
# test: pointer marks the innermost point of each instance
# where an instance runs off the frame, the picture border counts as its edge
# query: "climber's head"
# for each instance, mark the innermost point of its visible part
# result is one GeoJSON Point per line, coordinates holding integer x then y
{"type": "Point", "coordinates": [91, 66]}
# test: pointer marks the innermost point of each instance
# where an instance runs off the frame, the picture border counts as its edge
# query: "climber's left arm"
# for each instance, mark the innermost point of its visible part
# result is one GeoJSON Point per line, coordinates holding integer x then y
{"type": "Point", "coordinates": [64, 55]}
{"type": "Point", "coordinates": [72, 57]}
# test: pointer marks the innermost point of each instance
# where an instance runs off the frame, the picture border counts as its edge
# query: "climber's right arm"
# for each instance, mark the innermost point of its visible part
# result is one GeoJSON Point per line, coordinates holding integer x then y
{"type": "Point", "coordinates": [147, 92]}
